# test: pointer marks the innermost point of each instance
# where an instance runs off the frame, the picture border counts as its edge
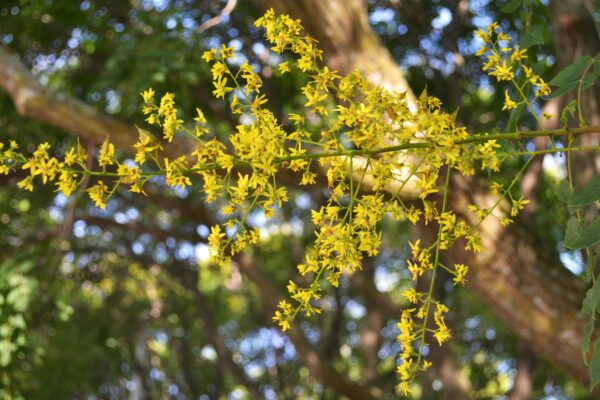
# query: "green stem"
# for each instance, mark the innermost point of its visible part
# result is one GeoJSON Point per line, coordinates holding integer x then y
{"type": "Point", "coordinates": [435, 264]}
{"type": "Point", "coordinates": [480, 138]}
{"type": "Point", "coordinates": [579, 90]}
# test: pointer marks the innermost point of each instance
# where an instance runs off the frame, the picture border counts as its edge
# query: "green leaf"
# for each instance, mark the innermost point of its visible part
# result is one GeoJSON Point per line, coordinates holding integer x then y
{"type": "Point", "coordinates": [578, 236]}
{"type": "Point", "coordinates": [591, 302]}
{"type": "Point", "coordinates": [568, 79]}
{"type": "Point", "coordinates": [564, 191]}
{"type": "Point", "coordinates": [571, 72]}
{"type": "Point", "coordinates": [569, 110]}
{"type": "Point", "coordinates": [586, 195]}
{"type": "Point", "coordinates": [511, 6]}
{"type": "Point", "coordinates": [587, 337]}
{"type": "Point", "coordinates": [536, 34]}
{"type": "Point", "coordinates": [595, 366]}
{"type": "Point", "coordinates": [591, 76]}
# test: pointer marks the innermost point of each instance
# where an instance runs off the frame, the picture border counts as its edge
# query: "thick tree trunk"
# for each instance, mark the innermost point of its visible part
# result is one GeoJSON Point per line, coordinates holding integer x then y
{"type": "Point", "coordinates": [521, 280]}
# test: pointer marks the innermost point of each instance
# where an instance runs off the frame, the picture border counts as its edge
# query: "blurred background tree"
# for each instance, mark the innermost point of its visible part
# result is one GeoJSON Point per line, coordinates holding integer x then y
{"type": "Point", "coordinates": [121, 303]}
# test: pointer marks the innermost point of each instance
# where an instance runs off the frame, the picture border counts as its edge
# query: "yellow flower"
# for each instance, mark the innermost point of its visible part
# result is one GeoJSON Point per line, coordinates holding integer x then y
{"type": "Point", "coordinates": [214, 239]}
{"type": "Point", "coordinates": [171, 125]}
{"type": "Point", "coordinates": [220, 88]}
{"type": "Point", "coordinates": [218, 70]}
{"type": "Point", "coordinates": [145, 144]}
{"type": "Point", "coordinates": [531, 77]}
{"type": "Point", "coordinates": [518, 205]}
{"type": "Point", "coordinates": [503, 36]}
{"type": "Point", "coordinates": [98, 194]}
{"type": "Point", "coordinates": [200, 118]}
{"type": "Point", "coordinates": [442, 335]}
{"type": "Point", "coordinates": [518, 55]}
{"type": "Point", "coordinates": [284, 67]}
{"type": "Point", "coordinates": [509, 104]}
{"type": "Point", "coordinates": [167, 104]}
{"type": "Point", "coordinates": [483, 35]}
{"type": "Point", "coordinates": [209, 55]}
{"type": "Point", "coordinates": [411, 295]}
{"type": "Point", "coordinates": [107, 154]}
{"type": "Point", "coordinates": [226, 52]}
{"type": "Point", "coordinates": [148, 96]}
{"type": "Point", "coordinates": [129, 174]}
{"type": "Point", "coordinates": [75, 156]}
{"type": "Point", "coordinates": [473, 243]}
{"type": "Point", "coordinates": [460, 271]}
{"type": "Point", "coordinates": [26, 183]}
{"type": "Point", "coordinates": [67, 183]}
{"type": "Point", "coordinates": [175, 172]}
{"type": "Point", "coordinates": [502, 72]}
{"type": "Point", "coordinates": [42, 164]}
{"type": "Point", "coordinates": [543, 88]}
{"type": "Point", "coordinates": [492, 27]}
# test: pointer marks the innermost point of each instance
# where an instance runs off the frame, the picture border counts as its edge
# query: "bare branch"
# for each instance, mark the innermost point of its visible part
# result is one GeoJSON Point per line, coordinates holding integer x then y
{"type": "Point", "coordinates": [217, 20]}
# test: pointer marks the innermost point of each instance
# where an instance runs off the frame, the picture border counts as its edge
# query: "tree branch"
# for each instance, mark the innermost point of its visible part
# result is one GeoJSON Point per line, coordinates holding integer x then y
{"type": "Point", "coordinates": [33, 100]}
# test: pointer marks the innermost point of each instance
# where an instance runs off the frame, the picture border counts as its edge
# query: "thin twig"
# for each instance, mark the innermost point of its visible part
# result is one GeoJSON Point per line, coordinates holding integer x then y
{"type": "Point", "coordinates": [217, 20]}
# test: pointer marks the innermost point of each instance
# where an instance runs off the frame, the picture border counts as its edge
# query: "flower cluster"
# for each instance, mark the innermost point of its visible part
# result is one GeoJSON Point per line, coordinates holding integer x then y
{"type": "Point", "coordinates": [505, 62]}
{"type": "Point", "coordinates": [370, 148]}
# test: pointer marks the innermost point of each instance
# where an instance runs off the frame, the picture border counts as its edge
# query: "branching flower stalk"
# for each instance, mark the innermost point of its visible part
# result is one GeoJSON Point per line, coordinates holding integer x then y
{"type": "Point", "coordinates": [355, 121]}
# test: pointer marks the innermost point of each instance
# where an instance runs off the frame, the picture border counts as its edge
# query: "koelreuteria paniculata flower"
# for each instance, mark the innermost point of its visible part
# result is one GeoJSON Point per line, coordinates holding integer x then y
{"type": "Point", "coordinates": [370, 146]}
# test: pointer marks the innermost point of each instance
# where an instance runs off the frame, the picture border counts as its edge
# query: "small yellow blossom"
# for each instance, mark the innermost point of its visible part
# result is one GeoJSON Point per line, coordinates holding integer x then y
{"type": "Point", "coordinates": [518, 55]}
{"type": "Point", "coordinates": [284, 67]}
{"type": "Point", "coordinates": [518, 205]}
{"type": "Point", "coordinates": [107, 154]}
{"type": "Point", "coordinates": [509, 104]}
{"type": "Point", "coordinates": [98, 193]}
{"type": "Point", "coordinates": [221, 88]}
{"type": "Point", "coordinates": [209, 55]}
{"type": "Point", "coordinates": [502, 71]}
{"type": "Point", "coordinates": [148, 96]}
{"type": "Point", "coordinates": [460, 271]}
